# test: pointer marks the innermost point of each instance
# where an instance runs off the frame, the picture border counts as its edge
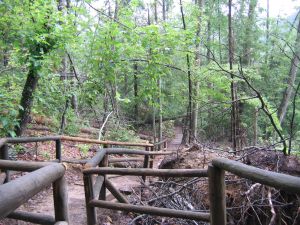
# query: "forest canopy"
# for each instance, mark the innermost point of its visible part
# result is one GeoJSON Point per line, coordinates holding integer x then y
{"type": "Point", "coordinates": [222, 70]}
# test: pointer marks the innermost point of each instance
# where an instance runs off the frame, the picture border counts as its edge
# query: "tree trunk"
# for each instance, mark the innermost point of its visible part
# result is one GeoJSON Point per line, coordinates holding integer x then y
{"type": "Point", "coordinates": [255, 126]}
{"type": "Point", "coordinates": [195, 87]}
{"type": "Point", "coordinates": [291, 79]}
{"type": "Point", "coordinates": [63, 118]}
{"type": "Point", "coordinates": [188, 122]}
{"type": "Point", "coordinates": [164, 10]}
{"type": "Point", "coordinates": [232, 85]}
{"type": "Point", "coordinates": [27, 99]}
{"type": "Point", "coordinates": [219, 33]}
{"type": "Point", "coordinates": [246, 57]}
{"type": "Point", "coordinates": [135, 88]}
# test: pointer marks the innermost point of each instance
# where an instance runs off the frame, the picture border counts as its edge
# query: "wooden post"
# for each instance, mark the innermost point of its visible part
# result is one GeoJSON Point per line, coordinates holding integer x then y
{"type": "Point", "coordinates": [60, 195]}
{"type": "Point", "coordinates": [217, 195]}
{"type": "Point", "coordinates": [103, 163]}
{"type": "Point", "coordinates": [88, 190]}
{"type": "Point", "coordinates": [5, 156]}
{"type": "Point", "coordinates": [146, 163]}
{"type": "Point", "coordinates": [151, 157]}
{"type": "Point", "coordinates": [58, 149]}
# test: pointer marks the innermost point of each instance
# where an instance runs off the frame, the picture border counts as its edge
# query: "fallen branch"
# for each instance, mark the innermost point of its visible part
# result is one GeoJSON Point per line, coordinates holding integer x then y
{"type": "Point", "coordinates": [272, 221]}
{"type": "Point", "coordinates": [103, 125]}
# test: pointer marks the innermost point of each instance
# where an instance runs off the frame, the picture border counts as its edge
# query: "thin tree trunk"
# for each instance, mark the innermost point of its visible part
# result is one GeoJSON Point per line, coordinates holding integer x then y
{"type": "Point", "coordinates": [246, 59]}
{"type": "Point", "coordinates": [188, 122]}
{"type": "Point", "coordinates": [135, 88]}
{"type": "Point", "coordinates": [232, 85]}
{"type": "Point", "coordinates": [219, 33]}
{"type": "Point", "coordinates": [195, 105]}
{"type": "Point", "coordinates": [267, 31]}
{"type": "Point", "coordinates": [291, 78]}
{"type": "Point", "coordinates": [160, 124]}
{"type": "Point", "coordinates": [164, 10]}
{"type": "Point", "coordinates": [27, 99]}
{"type": "Point", "coordinates": [292, 125]}
{"type": "Point", "coordinates": [255, 126]}
{"type": "Point", "coordinates": [63, 117]}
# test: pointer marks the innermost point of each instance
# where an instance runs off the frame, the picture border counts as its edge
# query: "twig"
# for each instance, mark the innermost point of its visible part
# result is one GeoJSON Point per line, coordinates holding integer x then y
{"type": "Point", "coordinates": [252, 188]}
{"type": "Point", "coordinates": [272, 221]}
{"type": "Point", "coordinates": [103, 125]}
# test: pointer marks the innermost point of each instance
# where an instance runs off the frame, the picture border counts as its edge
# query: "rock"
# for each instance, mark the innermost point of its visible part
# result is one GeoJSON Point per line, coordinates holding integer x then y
{"type": "Point", "coordinates": [169, 162]}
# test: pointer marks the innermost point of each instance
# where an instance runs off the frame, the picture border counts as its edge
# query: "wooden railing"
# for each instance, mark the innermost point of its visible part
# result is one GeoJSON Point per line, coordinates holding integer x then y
{"type": "Point", "coordinates": [216, 174]}
{"type": "Point", "coordinates": [48, 172]}
{"type": "Point", "coordinates": [17, 192]}
{"type": "Point", "coordinates": [95, 188]}
{"type": "Point", "coordinates": [58, 146]}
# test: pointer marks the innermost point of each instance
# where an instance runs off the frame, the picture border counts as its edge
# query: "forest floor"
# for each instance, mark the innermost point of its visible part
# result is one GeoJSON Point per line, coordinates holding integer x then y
{"type": "Point", "coordinates": [196, 156]}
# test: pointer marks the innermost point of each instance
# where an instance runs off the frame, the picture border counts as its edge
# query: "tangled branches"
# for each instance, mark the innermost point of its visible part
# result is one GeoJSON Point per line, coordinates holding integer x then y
{"type": "Point", "coordinates": [180, 194]}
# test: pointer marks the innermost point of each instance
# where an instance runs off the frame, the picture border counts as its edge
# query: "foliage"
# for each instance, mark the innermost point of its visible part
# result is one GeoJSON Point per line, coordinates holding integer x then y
{"type": "Point", "coordinates": [113, 60]}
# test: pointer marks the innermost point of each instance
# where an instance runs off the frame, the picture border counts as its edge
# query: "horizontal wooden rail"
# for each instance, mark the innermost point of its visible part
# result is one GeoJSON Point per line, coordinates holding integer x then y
{"type": "Point", "coordinates": [69, 138]}
{"type": "Point", "coordinates": [148, 172]}
{"type": "Point", "coordinates": [114, 160]}
{"type": "Point", "coordinates": [151, 210]}
{"type": "Point", "coordinates": [32, 217]}
{"type": "Point", "coordinates": [93, 141]}
{"type": "Point", "coordinates": [93, 162]}
{"type": "Point", "coordinates": [160, 142]}
{"type": "Point", "coordinates": [277, 180]}
{"type": "Point", "coordinates": [217, 196]}
{"type": "Point", "coordinates": [24, 166]}
{"type": "Point", "coordinates": [134, 152]}
{"type": "Point", "coordinates": [32, 139]}
{"type": "Point", "coordinates": [19, 191]}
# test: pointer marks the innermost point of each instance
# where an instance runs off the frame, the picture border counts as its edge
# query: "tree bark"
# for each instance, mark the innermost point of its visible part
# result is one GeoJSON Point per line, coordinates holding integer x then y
{"type": "Point", "coordinates": [248, 40]}
{"type": "Point", "coordinates": [232, 85]}
{"type": "Point", "coordinates": [164, 10]}
{"type": "Point", "coordinates": [291, 78]}
{"type": "Point", "coordinates": [195, 87]}
{"type": "Point", "coordinates": [135, 88]}
{"type": "Point", "coordinates": [27, 99]}
{"type": "Point", "coordinates": [188, 122]}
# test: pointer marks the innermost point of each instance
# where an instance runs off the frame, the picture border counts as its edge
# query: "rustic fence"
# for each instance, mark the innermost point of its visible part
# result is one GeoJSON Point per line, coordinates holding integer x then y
{"type": "Point", "coordinates": [45, 173]}
{"type": "Point", "coordinates": [18, 191]}
{"type": "Point", "coordinates": [216, 174]}
{"type": "Point", "coordinates": [15, 193]}
{"type": "Point", "coordinates": [95, 188]}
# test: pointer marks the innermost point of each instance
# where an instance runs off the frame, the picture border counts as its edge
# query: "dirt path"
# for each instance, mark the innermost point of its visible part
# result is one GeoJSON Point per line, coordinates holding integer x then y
{"type": "Point", "coordinates": [43, 202]}
{"type": "Point", "coordinates": [175, 143]}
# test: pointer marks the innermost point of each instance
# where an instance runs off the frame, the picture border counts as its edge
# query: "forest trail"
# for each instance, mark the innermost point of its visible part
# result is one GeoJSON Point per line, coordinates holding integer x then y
{"type": "Point", "coordinates": [43, 202]}
{"type": "Point", "coordinates": [175, 143]}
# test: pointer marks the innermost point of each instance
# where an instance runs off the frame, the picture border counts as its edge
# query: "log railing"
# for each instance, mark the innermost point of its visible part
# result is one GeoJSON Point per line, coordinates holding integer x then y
{"type": "Point", "coordinates": [58, 146]}
{"type": "Point", "coordinates": [40, 178]}
{"type": "Point", "coordinates": [216, 173]}
{"type": "Point", "coordinates": [95, 188]}
{"type": "Point", "coordinates": [18, 191]}
{"type": "Point", "coordinates": [216, 180]}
